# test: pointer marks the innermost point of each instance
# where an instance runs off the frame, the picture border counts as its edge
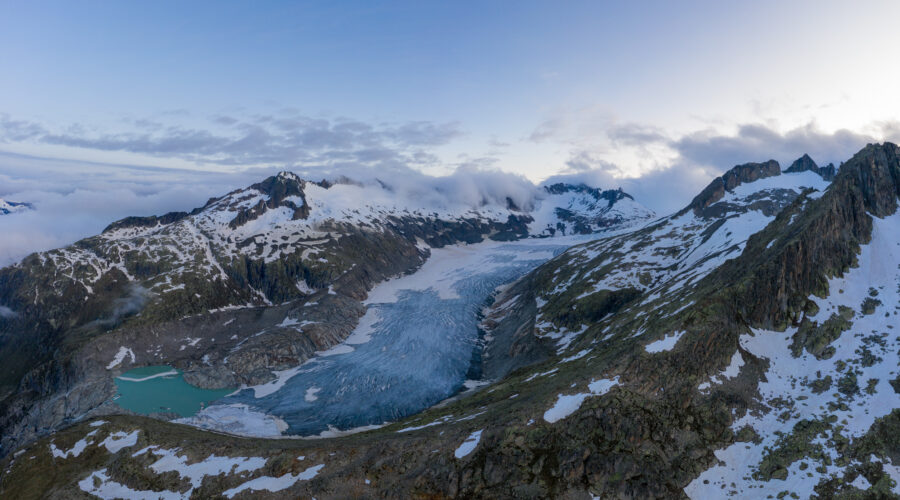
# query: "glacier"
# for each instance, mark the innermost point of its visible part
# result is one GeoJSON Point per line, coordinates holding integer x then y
{"type": "Point", "coordinates": [412, 349]}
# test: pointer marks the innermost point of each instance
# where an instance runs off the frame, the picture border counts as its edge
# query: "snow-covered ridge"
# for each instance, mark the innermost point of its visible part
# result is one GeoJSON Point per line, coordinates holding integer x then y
{"type": "Point", "coordinates": [288, 202]}
{"type": "Point", "coordinates": [664, 259]}
{"type": "Point", "coordinates": [570, 208]}
{"type": "Point", "coordinates": [285, 215]}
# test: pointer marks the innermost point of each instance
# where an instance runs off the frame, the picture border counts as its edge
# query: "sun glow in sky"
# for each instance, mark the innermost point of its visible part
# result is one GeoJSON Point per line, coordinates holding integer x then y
{"type": "Point", "coordinates": [657, 97]}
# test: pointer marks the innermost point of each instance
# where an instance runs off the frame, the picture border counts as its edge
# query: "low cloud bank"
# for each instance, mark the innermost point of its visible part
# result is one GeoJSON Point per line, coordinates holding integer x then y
{"type": "Point", "coordinates": [130, 304]}
{"type": "Point", "coordinates": [697, 158]}
{"type": "Point", "coordinates": [74, 200]}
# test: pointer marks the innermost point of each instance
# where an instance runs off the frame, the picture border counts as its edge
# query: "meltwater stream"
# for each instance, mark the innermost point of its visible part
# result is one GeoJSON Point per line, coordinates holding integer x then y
{"type": "Point", "coordinates": [412, 349]}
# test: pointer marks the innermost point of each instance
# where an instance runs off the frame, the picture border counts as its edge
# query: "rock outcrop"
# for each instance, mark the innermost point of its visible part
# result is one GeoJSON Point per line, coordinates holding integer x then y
{"type": "Point", "coordinates": [805, 163]}
{"type": "Point", "coordinates": [802, 164]}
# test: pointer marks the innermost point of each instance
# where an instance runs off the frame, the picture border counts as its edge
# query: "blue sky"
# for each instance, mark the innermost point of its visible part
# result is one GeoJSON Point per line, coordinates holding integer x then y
{"type": "Point", "coordinates": [657, 97]}
{"type": "Point", "coordinates": [525, 85]}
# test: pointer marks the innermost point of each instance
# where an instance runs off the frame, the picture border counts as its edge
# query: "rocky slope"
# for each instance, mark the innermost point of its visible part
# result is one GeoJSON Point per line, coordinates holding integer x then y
{"type": "Point", "coordinates": [744, 346]}
{"type": "Point", "coordinates": [207, 291]}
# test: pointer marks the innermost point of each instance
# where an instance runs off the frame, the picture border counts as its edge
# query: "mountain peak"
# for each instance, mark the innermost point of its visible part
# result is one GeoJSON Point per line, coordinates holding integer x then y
{"type": "Point", "coordinates": [875, 171]}
{"type": "Point", "coordinates": [280, 186]}
{"type": "Point", "coordinates": [802, 164]}
{"type": "Point", "coordinates": [805, 163]}
{"type": "Point", "coordinates": [287, 175]}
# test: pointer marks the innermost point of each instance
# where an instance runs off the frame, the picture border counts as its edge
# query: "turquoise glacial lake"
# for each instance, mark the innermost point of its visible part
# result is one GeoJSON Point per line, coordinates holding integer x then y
{"type": "Point", "coordinates": [152, 389]}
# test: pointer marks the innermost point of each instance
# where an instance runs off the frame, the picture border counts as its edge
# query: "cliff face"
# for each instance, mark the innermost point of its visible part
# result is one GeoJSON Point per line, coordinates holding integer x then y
{"type": "Point", "coordinates": [822, 240]}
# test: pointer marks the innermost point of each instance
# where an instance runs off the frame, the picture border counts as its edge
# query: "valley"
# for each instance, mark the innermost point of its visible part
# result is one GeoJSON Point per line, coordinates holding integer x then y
{"type": "Point", "coordinates": [743, 343]}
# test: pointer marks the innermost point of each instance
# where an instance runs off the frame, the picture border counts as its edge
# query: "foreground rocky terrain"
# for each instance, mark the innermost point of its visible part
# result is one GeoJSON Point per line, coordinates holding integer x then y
{"type": "Point", "coordinates": [744, 346]}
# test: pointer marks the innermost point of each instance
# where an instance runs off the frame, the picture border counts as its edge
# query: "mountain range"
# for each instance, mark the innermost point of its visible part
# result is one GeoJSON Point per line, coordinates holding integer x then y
{"type": "Point", "coordinates": [585, 348]}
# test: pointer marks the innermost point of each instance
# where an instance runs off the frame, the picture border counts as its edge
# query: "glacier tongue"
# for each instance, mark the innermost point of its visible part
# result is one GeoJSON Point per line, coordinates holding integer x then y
{"type": "Point", "coordinates": [414, 354]}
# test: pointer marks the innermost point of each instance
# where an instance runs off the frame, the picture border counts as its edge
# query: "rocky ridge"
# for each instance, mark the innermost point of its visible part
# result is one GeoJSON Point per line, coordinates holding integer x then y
{"type": "Point", "coordinates": [805, 163]}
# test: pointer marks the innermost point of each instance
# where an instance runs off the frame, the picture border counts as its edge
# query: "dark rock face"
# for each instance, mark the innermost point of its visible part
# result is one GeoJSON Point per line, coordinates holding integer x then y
{"type": "Point", "coordinates": [278, 188]}
{"type": "Point", "coordinates": [825, 238]}
{"type": "Point", "coordinates": [828, 172]}
{"type": "Point", "coordinates": [875, 172]}
{"type": "Point", "coordinates": [151, 221]}
{"type": "Point", "coordinates": [802, 164]}
{"type": "Point", "coordinates": [738, 175]}
{"type": "Point", "coordinates": [510, 324]}
{"type": "Point", "coordinates": [805, 163]}
{"type": "Point", "coordinates": [750, 172]}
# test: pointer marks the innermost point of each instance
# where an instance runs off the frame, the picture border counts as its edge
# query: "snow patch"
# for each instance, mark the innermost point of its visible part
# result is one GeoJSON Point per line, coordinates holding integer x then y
{"type": "Point", "coordinates": [567, 404]}
{"type": "Point", "coordinates": [100, 485]}
{"type": "Point", "coordinates": [119, 357]}
{"type": "Point", "coordinates": [666, 343]}
{"type": "Point", "coordinates": [469, 445]}
{"type": "Point", "coordinates": [274, 484]}
{"type": "Point", "coordinates": [730, 371]}
{"type": "Point", "coordinates": [311, 394]}
{"type": "Point", "coordinates": [74, 451]}
{"type": "Point", "coordinates": [119, 440]}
